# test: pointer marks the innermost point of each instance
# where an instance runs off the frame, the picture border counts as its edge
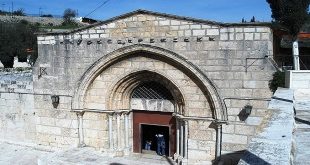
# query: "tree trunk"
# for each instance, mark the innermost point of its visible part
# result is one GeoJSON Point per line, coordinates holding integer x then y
{"type": "Point", "coordinates": [296, 55]}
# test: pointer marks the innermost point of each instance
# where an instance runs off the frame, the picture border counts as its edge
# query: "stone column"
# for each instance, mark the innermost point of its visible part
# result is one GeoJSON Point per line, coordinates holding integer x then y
{"type": "Point", "coordinates": [178, 136]}
{"type": "Point", "coordinates": [118, 129]}
{"type": "Point", "coordinates": [218, 140]}
{"type": "Point", "coordinates": [111, 130]}
{"type": "Point", "coordinates": [185, 138]}
{"type": "Point", "coordinates": [296, 55]}
{"type": "Point", "coordinates": [182, 139]}
{"type": "Point", "coordinates": [80, 128]}
{"type": "Point", "coordinates": [126, 130]}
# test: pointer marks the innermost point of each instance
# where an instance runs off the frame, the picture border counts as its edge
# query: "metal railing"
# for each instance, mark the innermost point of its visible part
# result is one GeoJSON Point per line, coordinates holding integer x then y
{"type": "Point", "coordinates": [286, 61]}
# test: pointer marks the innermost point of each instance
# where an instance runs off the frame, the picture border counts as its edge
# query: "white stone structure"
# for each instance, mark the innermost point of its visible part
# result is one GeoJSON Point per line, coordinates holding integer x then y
{"type": "Point", "coordinates": [207, 73]}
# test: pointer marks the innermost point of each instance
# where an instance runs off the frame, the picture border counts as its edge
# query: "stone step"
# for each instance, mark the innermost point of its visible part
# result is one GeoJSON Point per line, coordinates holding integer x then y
{"type": "Point", "coordinates": [89, 156]}
{"type": "Point", "coordinates": [301, 126]}
{"type": "Point", "coordinates": [302, 112]}
{"type": "Point", "coordinates": [302, 120]}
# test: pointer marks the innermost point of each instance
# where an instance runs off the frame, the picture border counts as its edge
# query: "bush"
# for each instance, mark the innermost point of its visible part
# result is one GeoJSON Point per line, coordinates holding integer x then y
{"type": "Point", "coordinates": [278, 80]}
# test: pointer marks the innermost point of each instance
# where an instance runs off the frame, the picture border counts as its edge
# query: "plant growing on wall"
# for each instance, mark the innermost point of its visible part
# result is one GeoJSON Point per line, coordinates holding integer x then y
{"type": "Point", "coordinates": [278, 80]}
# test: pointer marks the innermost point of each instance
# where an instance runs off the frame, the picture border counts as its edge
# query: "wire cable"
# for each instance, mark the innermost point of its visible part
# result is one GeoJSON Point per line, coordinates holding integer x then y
{"type": "Point", "coordinates": [97, 8]}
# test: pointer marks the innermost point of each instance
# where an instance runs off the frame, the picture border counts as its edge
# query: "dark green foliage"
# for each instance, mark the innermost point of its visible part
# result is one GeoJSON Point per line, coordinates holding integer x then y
{"type": "Point", "coordinates": [278, 80]}
{"type": "Point", "coordinates": [290, 14]}
{"type": "Point", "coordinates": [47, 15]}
{"type": "Point", "coordinates": [15, 39]}
{"type": "Point", "coordinates": [19, 12]}
{"type": "Point", "coordinates": [2, 12]}
{"type": "Point", "coordinates": [253, 19]}
{"type": "Point", "coordinates": [68, 17]}
{"type": "Point", "coordinates": [306, 27]}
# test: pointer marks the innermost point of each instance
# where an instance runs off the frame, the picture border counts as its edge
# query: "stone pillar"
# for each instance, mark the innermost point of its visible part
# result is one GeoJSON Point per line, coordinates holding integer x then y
{"type": "Point", "coordinates": [111, 130]}
{"type": "Point", "coordinates": [126, 130]}
{"type": "Point", "coordinates": [182, 139]}
{"type": "Point", "coordinates": [296, 55]}
{"type": "Point", "coordinates": [218, 141]}
{"type": "Point", "coordinates": [185, 138]}
{"type": "Point", "coordinates": [80, 128]}
{"type": "Point", "coordinates": [118, 129]}
{"type": "Point", "coordinates": [178, 137]}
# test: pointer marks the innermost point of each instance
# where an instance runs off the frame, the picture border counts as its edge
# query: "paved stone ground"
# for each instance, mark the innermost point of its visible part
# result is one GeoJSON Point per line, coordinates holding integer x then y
{"type": "Point", "coordinates": [11, 154]}
{"type": "Point", "coordinates": [302, 132]}
{"type": "Point", "coordinates": [88, 156]}
{"type": "Point", "coordinates": [19, 155]}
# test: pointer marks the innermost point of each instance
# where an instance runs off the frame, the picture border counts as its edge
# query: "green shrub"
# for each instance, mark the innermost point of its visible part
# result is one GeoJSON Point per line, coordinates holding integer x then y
{"type": "Point", "coordinates": [278, 80]}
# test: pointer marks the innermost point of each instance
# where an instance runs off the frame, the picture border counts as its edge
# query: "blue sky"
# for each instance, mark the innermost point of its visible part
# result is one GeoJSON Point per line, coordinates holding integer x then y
{"type": "Point", "coordinates": [214, 10]}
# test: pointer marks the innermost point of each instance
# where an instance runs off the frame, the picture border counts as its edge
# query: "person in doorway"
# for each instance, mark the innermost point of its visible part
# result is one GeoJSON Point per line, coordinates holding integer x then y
{"type": "Point", "coordinates": [161, 145]}
{"type": "Point", "coordinates": [148, 145]}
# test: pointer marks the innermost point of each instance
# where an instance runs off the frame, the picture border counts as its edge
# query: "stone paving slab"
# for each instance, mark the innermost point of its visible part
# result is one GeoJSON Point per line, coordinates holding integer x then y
{"type": "Point", "coordinates": [273, 144]}
{"type": "Point", "coordinates": [88, 156]}
{"type": "Point", "coordinates": [11, 154]}
{"type": "Point", "coordinates": [302, 132]}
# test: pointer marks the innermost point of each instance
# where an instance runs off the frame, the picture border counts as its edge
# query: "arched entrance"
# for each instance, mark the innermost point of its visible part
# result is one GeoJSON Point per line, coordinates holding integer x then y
{"type": "Point", "coordinates": [109, 87]}
{"type": "Point", "coordinates": [153, 105]}
{"type": "Point", "coordinates": [153, 99]}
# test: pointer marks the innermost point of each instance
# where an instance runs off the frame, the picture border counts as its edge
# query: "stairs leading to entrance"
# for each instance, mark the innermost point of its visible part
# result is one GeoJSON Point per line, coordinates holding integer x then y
{"type": "Point", "coordinates": [302, 131]}
{"type": "Point", "coordinates": [89, 156]}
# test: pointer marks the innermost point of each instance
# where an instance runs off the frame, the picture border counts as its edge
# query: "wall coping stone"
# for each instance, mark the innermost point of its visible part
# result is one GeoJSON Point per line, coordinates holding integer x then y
{"type": "Point", "coordinates": [140, 11]}
{"type": "Point", "coordinates": [273, 145]}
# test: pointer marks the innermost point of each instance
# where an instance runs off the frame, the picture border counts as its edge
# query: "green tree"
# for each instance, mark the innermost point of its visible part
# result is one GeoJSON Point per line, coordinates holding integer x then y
{"type": "Point", "coordinates": [16, 39]}
{"type": "Point", "coordinates": [253, 19]}
{"type": "Point", "coordinates": [290, 15]}
{"type": "Point", "coordinates": [19, 12]}
{"type": "Point", "coordinates": [68, 16]}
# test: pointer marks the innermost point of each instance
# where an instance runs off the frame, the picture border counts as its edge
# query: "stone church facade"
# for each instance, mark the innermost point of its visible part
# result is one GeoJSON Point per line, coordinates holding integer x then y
{"type": "Point", "coordinates": [117, 83]}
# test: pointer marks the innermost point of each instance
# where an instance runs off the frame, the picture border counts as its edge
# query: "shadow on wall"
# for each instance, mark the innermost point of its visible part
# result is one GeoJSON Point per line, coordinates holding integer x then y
{"type": "Point", "coordinates": [243, 157]}
{"type": "Point", "coordinates": [231, 158]}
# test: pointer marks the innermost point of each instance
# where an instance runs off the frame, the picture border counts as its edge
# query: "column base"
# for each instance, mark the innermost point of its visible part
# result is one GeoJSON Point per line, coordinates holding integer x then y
{"type": "Point", "coordinates": [82, 145]}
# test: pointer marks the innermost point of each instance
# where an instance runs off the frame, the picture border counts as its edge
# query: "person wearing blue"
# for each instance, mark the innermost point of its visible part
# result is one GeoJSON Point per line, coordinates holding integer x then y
{"type": "Point", "coordinates": [148, 144]}
{"type": "Point", "coordinates": [161, 145]}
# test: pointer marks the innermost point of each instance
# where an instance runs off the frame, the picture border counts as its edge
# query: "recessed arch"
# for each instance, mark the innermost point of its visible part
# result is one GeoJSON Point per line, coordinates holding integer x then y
{"type": "Point", "coordinates": [181, 63]}
{"type": "Point", "coordinates": [122, 91]}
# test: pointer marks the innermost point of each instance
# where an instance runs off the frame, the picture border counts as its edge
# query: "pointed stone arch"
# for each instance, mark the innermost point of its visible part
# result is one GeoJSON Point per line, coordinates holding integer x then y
{"type": "Point", "coordinates": [181, 63]}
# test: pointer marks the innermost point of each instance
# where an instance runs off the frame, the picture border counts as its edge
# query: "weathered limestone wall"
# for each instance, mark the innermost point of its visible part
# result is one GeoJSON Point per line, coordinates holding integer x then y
{"type": "Point", "coordinates": [17, 114]}
{"type": "Point", "coordinates": [56, 128]}
{"type": "Point", "coordinates": [235, 58]}
{"type": "Point", "coordinates": [297, 79]}
{"type": "Point", "coordinates": [274, 144]}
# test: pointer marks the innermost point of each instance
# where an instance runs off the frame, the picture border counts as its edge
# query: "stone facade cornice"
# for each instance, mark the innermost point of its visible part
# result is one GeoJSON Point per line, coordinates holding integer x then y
{"type": "Point", "coordinates": [171, 16]}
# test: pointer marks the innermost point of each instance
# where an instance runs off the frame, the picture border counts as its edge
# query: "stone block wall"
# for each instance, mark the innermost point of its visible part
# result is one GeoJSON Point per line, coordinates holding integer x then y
{"type": "Point", "coordinates": [28, 117]}
{"type": "Point", "coordinates": [234, 57]}
{"type": "Point", "coordinates": [55, 127]}
{"type": "Point", "coordinates": [17, 114]}
{"type": "Point", "coordinates": [297, 79]}
{"type": "Point", "coordinates": [274, 145]}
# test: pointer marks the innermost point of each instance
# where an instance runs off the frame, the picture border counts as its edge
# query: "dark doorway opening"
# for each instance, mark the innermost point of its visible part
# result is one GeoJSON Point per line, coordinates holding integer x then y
{"type": "Point", "coordinates": [148, 133]}
{"type": "Point", "coordinates": [153, 120]}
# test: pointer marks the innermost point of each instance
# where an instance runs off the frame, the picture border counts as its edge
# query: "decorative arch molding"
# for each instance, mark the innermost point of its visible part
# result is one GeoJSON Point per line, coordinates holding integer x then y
{"type": "Point", "coordinates": [123, 88]}
{"type": "Point", "coordinates": [181, 63]}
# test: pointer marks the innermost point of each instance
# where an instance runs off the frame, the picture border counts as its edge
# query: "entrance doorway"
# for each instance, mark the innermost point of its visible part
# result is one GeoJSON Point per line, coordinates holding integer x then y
{"type": "Point", "coordinates": [148, 134]}
{"type": "Point", "coordinates": [145, 126]}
